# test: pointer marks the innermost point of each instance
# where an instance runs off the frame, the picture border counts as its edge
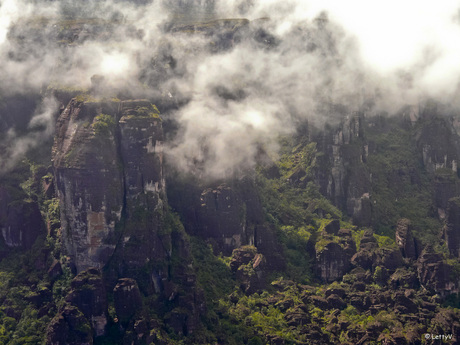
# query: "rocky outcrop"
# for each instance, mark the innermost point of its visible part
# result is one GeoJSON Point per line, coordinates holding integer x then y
{"type": "Point", "coordinates": [439, 143]}
{"type": "Point", "coordinates": [366, 256]}
{"type": "Point", "coordinates": [333, 254]}
{"type": "Point", "coordinates": [437, 140]}
{"type": "Point", "coordinates": [389, 258]}
{"type": "Point", "coordinates": [349, 171]}
{"type": "Point", "coordinates": [404, 277]}
{"type": "Point", "coordinates": [89, 296]}
{"type": "Point", "coordinates": [69, 327]}
{"type": "Point", "coordinates": [84, 314]}
{"type": "Point", "coordinates": [249, 268]}
{"type": "Point", "coordinates": [89, 181]}
{"type": "Point", "coordinates": [434, 273]}
{"type": "Point", "coordinates": [144, 238]}
{"type": "Point", "coordinates": [342, 175]}
{"type": "Point", "coordinates": [383, 261]}
{"type": "Point", "coordinates": [228, 215]}
{"type": "Point", "coordinates": [21, 224]}
{"type": "Point", "coordinates": [20, 219]}
{"type": "Point", "coordinates": [333, 227]}
{"type": "Point", "coordinates": [127, 298]}
{"type": "Point", "coordinates": [222, 218]}
{"type": "Point", "coordinates": [446, 187]}
{"type": "Point", "coordinates": [452, 227]}
{"type": "Point", "coordinates": [108, 165]}
{"type": "Point", "coordinates": [332, 262]}
{"type": "Point", "coordinates": [405, 240]}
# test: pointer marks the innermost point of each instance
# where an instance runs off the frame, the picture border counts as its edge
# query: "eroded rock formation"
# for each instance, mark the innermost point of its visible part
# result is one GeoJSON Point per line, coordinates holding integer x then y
{"type": "Point", "coordinates": [83, 317]}
{"type": "Point", "coordinates": [108, 163]}
{"type": "Point", "coordinates": [405, 240]}
{"type": "Point", "coordinates": [452, 227]}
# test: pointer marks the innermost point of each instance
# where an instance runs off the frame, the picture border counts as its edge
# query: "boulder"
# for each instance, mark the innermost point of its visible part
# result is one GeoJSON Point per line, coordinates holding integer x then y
{"type": "Point", "coordinates": [368, 255]}
{"type": "Point", "coordinates": [88, 295]}
{"type": "Point", "coordinates": [405, 240]}
{"type": "Point", "coordinates": [336, 291]}
{"type": "Point", "coordinates": [249, 268]}
{"type": "Point", "coordinates": [333, 227]}
{"type": "Point", "coordinates": [297, 317]}
{"type": "Point", "coordinates": [389, 258]}
{"type": "Point", "coordinates": [404, 304]}
{"type": "Point", "coordinates": [332, 262]}
{"type": "Point", "coordinates": [434, 273]}
{"type": "Point", "coordinates": [404, 278]}
{"type": "Point", "coordinates": [364, 259]}
{"type": "Point", "coordinates": [127, 298]}
{"type": "Point", "coordinates": [346, 233]}
{"type": "Point", "coordinates": [242, 256]}
{"type": "Point", "coordinates": [336, 302]}
{"type": "Point", "coordinates": [368, 241]}
{"type": "Point", "coordinates": [319, 302]}
{"type": "Point", "coordinates": [69, 327]}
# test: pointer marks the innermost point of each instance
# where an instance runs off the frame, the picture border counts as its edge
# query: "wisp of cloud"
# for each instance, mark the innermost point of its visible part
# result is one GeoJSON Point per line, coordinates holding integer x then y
{"type": "Point", "coordinates": [236, 89]}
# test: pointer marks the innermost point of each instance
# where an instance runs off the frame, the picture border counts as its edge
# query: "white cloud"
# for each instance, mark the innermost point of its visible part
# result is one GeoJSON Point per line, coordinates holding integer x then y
{"type": "Point", "coordinates": [398, 50]}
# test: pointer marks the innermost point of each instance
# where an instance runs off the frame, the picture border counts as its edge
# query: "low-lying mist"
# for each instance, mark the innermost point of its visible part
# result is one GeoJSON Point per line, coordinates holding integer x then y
{"type": "Point", "coordinates": [237, 84]}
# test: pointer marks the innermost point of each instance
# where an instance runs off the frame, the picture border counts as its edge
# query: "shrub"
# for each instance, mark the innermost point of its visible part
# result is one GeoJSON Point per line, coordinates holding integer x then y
{"type": "Point", "coordinates": [104, 125]}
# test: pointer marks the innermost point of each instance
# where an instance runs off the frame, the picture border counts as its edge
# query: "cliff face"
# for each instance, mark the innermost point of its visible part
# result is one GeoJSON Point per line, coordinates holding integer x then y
{"type": "Point", "coordinates": [20, 222]}
{"type": "Point", "coordinates": [89, 182]}
{"type": "Point", "coordinates": [108, 166]}
{"type": "Point", "coordinates": [342, 173]}
{"type": "Point", "coordinates": [367, 159]}
{"type": "Point", "coordinates": [107, 162]}
{"type": "Point", "coordinates": [324, 244]}
{"type": "Point", "coordinates": [141, 138]}
{"type": "Point", "coordinates": [226, 214]}
{"type": "Point", "coordinates": [199, 268]}
{"type": "Point", "coordinates": [452, 227]}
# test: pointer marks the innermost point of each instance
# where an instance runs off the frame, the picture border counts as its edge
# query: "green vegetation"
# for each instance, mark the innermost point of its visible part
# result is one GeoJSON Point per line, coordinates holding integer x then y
{"type": "Point", "coordinates": [104, 125]}
{"type": "Point", "coordinates": [294, 205]}
{"type": "Point", "coordinates": [208, 291]}
{"type": "Point", "coordinates": [66, 88]}
{"type": "Point", "coordinates": [401, 188]}
{"type": "Point", "coordinates": [151, 111]}
{"type": "Point", "coordinates": [28, 300]}
{"type": "Point", "coordinates": [145, 113]}
{"type": "Point", "coordinates": [86, 98]}
{"type": "Point", "coordinates": [24, 288]}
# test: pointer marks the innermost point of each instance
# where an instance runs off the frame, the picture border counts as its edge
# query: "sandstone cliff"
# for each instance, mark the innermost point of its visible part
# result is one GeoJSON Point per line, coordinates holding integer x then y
{"type": "Point", "coordinates": [107, 158]}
